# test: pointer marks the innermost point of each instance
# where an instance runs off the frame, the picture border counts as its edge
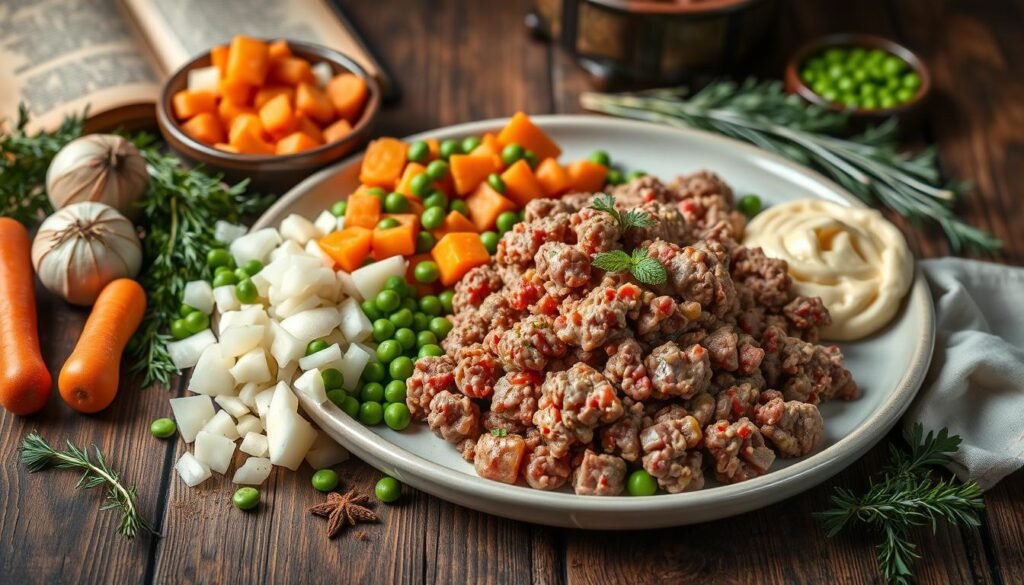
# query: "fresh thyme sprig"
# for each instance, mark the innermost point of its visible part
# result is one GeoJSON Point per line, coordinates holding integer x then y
{"type": "Point", "coordinates": [907, 496]}
{"type": "Point", "coordinates": [868, 165]}
{"type": "Point", "coordinates": [643, 268]}
{"type": "Point", "coordinates": [37, 455]}
{"type": "Point", "coordinates": [24, 159]}
{"type": "Point", "coordinates": [631, 219]}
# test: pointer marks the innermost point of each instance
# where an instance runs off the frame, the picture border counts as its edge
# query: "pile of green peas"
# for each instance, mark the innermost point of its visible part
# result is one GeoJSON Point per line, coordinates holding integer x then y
{"type": "Point", "coordinates": [615, 174]}
{"type": "Point", "coordinates": [223, 272]}
{"type": "Point", "coordinates": [860, 78]}
{"type": "Point", "coordinates": [405, 328]}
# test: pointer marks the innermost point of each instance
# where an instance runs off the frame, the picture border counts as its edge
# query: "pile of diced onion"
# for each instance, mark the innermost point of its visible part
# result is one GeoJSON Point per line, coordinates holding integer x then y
{"type": "Point", "coordinates": [256, 362]}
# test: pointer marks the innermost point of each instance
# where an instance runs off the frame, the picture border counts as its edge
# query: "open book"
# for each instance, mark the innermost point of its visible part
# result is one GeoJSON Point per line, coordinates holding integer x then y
{"type": "Point", "coordinates": [59, 56]}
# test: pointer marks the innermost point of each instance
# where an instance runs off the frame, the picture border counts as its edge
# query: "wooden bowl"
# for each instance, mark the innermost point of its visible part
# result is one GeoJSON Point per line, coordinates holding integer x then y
{"type": "Point", "coordinates": [269, 173]}
{"type": "Point", "coordinates": [909, 112]}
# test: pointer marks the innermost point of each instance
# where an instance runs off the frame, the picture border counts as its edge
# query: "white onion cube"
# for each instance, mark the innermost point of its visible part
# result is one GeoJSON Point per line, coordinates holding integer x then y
{"type": "Point", "coordinates": [348, 286]}
{"type": "Point", "coordinates": [222, 424]}
{"type": "Point", "coordinates": [254, 471]}
{"type": "Point", "coordinates": [241, 339]}
{"type": "Point", "coordinates": [325, 452]}
{"type": "Point", "coordinates": [311, 384]}
{"type": "Point", "coordinates": [298, 229]}
{"type": "Point", "coordinates": [285, 348]}
{"type": "Point", "coordinates": [325, 223]}
{"type": "Point", "coordinates": [248, 394]}
{"type": "Point", "coordinates": [289, 436]}
{"type": "Point", "coordinates": [226, 232]}
{"type": "Point", "coordinates": [370, 279]}
{"type": "Point", "coordinates": [225, 299]}
{"type": "Point", "coordinates": [199, 295]}
{"type": "Point", "coordinates": [254, 444]}
{"type": "Point", "coordinates": [309, 325]}
{"type": "Point", "coordinates": [232, 405]}
{"type": "Point", "coordinates": [322, 359]}
{"type": "Point", "coordinates": [215, 451]}
{"type": "Point", "coordinates": [185, 353]}
{"type": "Point", "coordinates": [191, 471]}
{"type": "Point", "coordinates": [248, 315]}
{"type": "Point", "coordinates": [248, 423]}
{"type": "Point", "coordinates": [251, 367]}
{"type": "Point", "coordinates": [191, 413]}
{"type": "Point", "coordinates": [255, 246]}
{"type": "Point", "coordinates": [212, 375]}
{"type": "Point", "coordinates": [355, 325]}
{"type": "Point", "coordinates": [204, 79]}
{"type": "Point", "coordinates": [263, 400]}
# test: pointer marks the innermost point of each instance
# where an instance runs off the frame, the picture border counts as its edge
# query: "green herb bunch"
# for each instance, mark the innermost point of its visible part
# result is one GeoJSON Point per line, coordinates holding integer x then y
{"type": "Point", "coordinates": [908, 495]}
{"type": "Point", "coordinates": [643, 268]}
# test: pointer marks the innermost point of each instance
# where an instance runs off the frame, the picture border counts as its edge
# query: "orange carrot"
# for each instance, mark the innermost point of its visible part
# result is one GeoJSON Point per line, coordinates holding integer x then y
{"type": "Point", "coordinates": [188, 103]}
{"type": "Point", "coordinates": [269, 92]}
{"type": "Point", "coordinates": [278, 49]}
{"type": "Point", "coordinates": [404, 185]}
{"type": "Point", "coordinates": [396, 241]}
{"type": "Point", "coordinates": [229, 110]}
{"type": "Point", "coordinates": [278, 117]}
{"type": "Point", "coordinates": [248, 60]}
{"type": "Point", "coordinates": [434, 148]}
{"type": "Point", "coordinates": [294, 143]}
{"type": "Point", "coordinates": [309, 128]}
{"type": "Point", "coordinates": [348, 93]}
{"type": "Point", "coordinates": [24, 380]}
{"type": "Point", "coordinates": [485, 204]}
{"type": "Point", "coordinates": [313, 102]}
{"type": "Point", "coordinates": [468, 171]}
{"type": "Point", "coordinates": [337, 131]}
{"type": "Point", "coordinates": [489, 146]}
{"type": "Point", "coordinates": [227, 148]}
{"type": "Point", "coordinates": [238, 92]}
{"type": "Point", "coordinates": [88, 380]}
{"type": "Point", "coordinates": [586, 176]}
{"type": "Point", "coordinates": [454, 222]}
{"type": "Point", "coordinates": [290, 70]}
{"type": "Point", "coordinates": [219, 58]}
{"type": "Point", "coordinates": [245, 124]}
{"type": "Point", "coordinates": [348, 247]}
{"type": "Point", "coordinates": [383, 163]}
{"type": "Point", "coordinates": [552, 177]}
{"type": "Point", "coordinates": [522, 131]}
{"type": "Point", "coordinates": [458, 253]}
{"type": "Point", "coordinates": [363, 211]}
{"type": "Point", "coordinates": [250, 143]}
{"type": "Point", "coordinates": [521, 185]}
{"type": "Point", "coordinates": [205, 128]}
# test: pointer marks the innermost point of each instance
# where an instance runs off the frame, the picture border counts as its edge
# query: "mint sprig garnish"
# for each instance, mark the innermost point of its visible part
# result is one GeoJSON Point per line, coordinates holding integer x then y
{"type": "Point", "coordinates": [643, 268]}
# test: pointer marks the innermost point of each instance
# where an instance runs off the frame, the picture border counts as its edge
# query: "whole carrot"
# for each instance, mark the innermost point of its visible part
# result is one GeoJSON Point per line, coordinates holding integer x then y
{"type": "Point", "coordinates": [88, 381]}
{"type": "Point", "coordinates": [25, 382]}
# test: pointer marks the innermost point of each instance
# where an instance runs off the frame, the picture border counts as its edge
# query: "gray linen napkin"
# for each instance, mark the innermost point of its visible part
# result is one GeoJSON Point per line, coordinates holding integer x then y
{"type": "Point", "coordinates": [975, 386]}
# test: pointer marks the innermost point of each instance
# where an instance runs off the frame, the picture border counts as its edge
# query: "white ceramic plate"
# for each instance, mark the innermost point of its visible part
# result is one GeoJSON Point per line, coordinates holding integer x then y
{"type": "Point", "coordinates": [889, 366]}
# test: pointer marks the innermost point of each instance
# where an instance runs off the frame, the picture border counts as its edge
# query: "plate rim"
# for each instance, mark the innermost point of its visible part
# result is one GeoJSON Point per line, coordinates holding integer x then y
{"type": "Point", "coordinates": [736, 498]}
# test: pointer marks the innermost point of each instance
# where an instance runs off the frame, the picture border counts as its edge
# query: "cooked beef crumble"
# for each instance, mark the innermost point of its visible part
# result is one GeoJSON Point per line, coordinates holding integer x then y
{"type": "Point", "coordinates": [584, 375]}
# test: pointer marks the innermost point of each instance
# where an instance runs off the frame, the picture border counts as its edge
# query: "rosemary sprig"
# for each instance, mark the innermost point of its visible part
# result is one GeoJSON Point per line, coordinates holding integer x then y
{"type": "Point", "coordinates": [180, 207]}
{"type": "Point", "coordinates": [37, 455]}
{"type": "Point", "coordinates": [907, 496]}
{"type": "Point", "coordinates": [868, 165]}
{"type": "Point", "coordinates": [24, 159]}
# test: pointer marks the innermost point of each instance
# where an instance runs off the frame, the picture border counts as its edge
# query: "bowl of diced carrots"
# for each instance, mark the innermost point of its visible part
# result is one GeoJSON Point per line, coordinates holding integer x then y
{"type": "Point", "coordinates": [269, 111]}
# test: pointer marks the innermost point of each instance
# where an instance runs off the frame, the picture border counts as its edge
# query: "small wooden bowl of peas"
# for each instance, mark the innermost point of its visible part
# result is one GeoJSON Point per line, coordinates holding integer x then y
{"type": "Point", "coordinates": [871, 77]}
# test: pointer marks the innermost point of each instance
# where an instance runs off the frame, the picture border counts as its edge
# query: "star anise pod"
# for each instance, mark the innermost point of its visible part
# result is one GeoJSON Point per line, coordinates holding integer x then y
{"type": "Point", "coordinates": [344, 509]}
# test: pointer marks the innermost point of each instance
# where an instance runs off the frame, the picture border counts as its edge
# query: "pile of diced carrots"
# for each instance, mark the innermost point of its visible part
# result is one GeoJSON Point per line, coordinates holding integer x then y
{"type": "Point", "coordinates": [259, 98]}
{"type": "Point", "coordinates": [485, 179]}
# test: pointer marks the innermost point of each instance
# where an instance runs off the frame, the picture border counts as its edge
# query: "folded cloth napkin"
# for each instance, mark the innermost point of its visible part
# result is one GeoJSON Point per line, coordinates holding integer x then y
{"type": "Point", "coordinates": [975, 386]}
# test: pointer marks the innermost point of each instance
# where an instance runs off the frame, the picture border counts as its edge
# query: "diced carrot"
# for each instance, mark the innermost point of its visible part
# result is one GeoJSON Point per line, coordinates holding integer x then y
{"type": "Point", "coordinates": [434, 148]}
{"type": "Point", "coordinates": [404, 185]}
{"type": "Point", "coordinates": [396, 241]}
{"type": "Point", "coordinates": [278, 49]}
{"type": "Point", "coordinates": [489, 147]}
{"type": "Point", "coordinates": [187, 103]}
{"type": "Point", "coordinates": [552, 177]}
{"type": "Point", "coordinates": [586, 176]}
{"type": "Point", "coordinates": [485, 204]}
{"type": "Point", "coordinates": [454, 222]}
{"type": "Point", "coordinates": [278, 117]}
{"type": "Point", "coordinates": [337, 131]}
{"type": "Point", "coordinates": [269, 92]}
{"type": "Point", "coordinates": [294, 143]}
{"type": "Point", "coordinates": [309, 128]}
{"type": "Point", "coordinates": [226, 147]}
{"type": "Point", "coordinates": [245, 123]}
{"type": "Point", "coordinates": [363, 211]}
{"type": "Point", "coordinates": [383, 163]}
{"type": "Point", "coordinates": [458, 253]}
{"type": "Point", "coordinates": [250, 143]}
{"type": "Point", "coordinates": [229, 110]}
{"type": "Point", "coordinates": [219, 58]}
{"type": "Point", "coordinates": [348, 247]}
{"type": "Point", "coordinates": [521, 185]}
{"type": "Point", "coordinates": [248, 60]}
{"type": "Point", "coordinates": [313, 102]}
{"type": "Point", "coordinates": [468, 171]}
{"type": "Point", "coordinates": [290, 71]}
{"type": "Point", "coordinates": [348, 93]}
{"type": "Point", "coordinates": [523, 132]}
{"type": "Point", "coordinates": [238, 92]}
{"type": "Point", "coordinates": [205, 128]}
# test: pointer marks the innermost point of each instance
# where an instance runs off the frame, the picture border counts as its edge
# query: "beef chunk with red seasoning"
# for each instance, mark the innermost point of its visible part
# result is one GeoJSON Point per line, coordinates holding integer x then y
{"type": "Point", "coordinates": [562, 267]}
{"type": "Point", "coordinates": [668, 457]}
{"type": "Point", "coordinates": [737, 450]}
{"type": "Point", "coordinates": [544, 471]}
{"type": "Point", "coordinates": [474, 287]}
{"type": "Point", "coordinates": [530, 344]}
{"type": "Point", "coordinates": [599, 316]}
{"type": "Point", "coordinates": [698, 273]}
{"type": "Point", "coordinates": [431, 375]}
{"type": "Point", "coordinates": [793, 427]}
{"type": "Point", "coordinates": [625, 368]}
{"type": "Point", "coordinates": [454, 417]}
{"type": "Point", "coordinates": [599, 475]}
{"type": "Point", "coordinates": [477, 371]}
{"type": "Point", "coordinates": [678, 372]}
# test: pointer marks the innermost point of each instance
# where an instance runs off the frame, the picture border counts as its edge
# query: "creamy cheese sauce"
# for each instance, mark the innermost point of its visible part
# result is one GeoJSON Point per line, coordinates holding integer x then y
{"type": "Point", "coordinates": [853, 258]}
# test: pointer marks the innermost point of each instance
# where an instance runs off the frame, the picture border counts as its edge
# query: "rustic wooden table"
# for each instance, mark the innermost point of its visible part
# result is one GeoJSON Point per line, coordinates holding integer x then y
{"type": "Point", "coordinates": [467, 60]}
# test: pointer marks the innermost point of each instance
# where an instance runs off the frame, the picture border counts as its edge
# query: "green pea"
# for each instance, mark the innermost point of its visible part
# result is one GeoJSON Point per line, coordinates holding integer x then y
{"type": "Point", "coordinates": [912, 80]}
{"type": "Point", "coordinates": [407, 337]}
{"type": "Point", "coordinates": [186, 310]}
{"type": "Point", "coordinates": [459, 206]}
{"type": "Point", "coordinates": [834, 55]}
{"type": "Point", "coordinates": [641, 483]}
{"type": "Point", "coordinates": [430, 349]}
{"type": "Point", "coordinates": [449, 147]}
{"type": "Point", "coordinates": [430, 305]}
{"type": "Point", "coordinates": [432, 218]}
{"type": "Point", "coordinates": [410, 302]}
{"type": "Point", "coordinates": [395, 283]}
{"type": "Point", "coordinates": [370, 310]}
{"type": "Point", "coordinates": [496, 182]}
{"type": "Point", "coordinates": [372, 392]}
{"type": "Point", "coordinates": [446, 297]}
{"type": "Point", "coordinates": [437, 170]}
{"type": "Point", "coordinates": [396, 203]}
{"type": "Point", "coordinates": [371, 413]}
{"type": "Point", "coordinates": [817, 63]}
{"type": "Point", "coordinates": [424, 242]}
{"type": "Point", "coordinates": [440, 326]}
{"type": "Point", "coordinates": [333, 378]}
{"type": "Point", "coordinates": [374, 372]}
{"type": "Point", "coordinates": [887, 101]}
{"type": "Point", "coordinates": [197, 322]}
{"type": "Point", "coordinates": [893, 65]}
{"type": "Point", "coordinates": [749, 205]}
{"type": "Point", "coordinates": [377, 192]}
{"type": "Point", "coordinates": [395, 391]}
{"type": "Point", "coordinates": [400, 368]}
{"type": "Point", "coordinates": [511, 153]}
{"type": "Point", "coordinates": [600, 157]}
{"type": "Point", "coordinates": [179, 330]}
{"type": "Point", "coordinates": [216, 271]}
{"type": "Point", "coordinates": [844, 84]}
{"type": "Point", "coordinates": [241, 274]}
{"type": "Point", "coordinates": [867, 90]}
{"type": "Point", "coordinates": [614, 177]}
{"type": "Point", "coordinates": [350, 406]}
{"type": "Point", "coordinates": [315, 346]}
{"type": "Point", "coordinates": [246, 498]}
{"type": "Point", "coordinates": [904, 95]}
{"type": "Point", "coordinates": [829, 96]}
{"type": "Point", "coordinates": [490, 241]}
{"type": "Point", "coordinates": [337, 396]}
{"type": "Point", "coordinates": [436, 199]}
{"type": "Point", "coordinates": [531, 158]}
{"type": "Point", "coordinates": [418, 152]}
{"type": "Point", "coordinates": [388, 350]}
{"type": "Point", "coordinates": [218, 257]}
{"type": "Point", "coordinates": [387, 223]}
{"type": "Point", "coordinates": [325, 480]}
{"type": "Point", "coordinates": [388, 489]}
{"type": "Point", "coordinates": [835, 71]}
{"type": "Point", "coordinates": [163, 428]}
{"type": "Point", "coordinates": [821, 86]}
{"type": "Point", "coordinates": [426, 272]}
{"type": "Point", "coordinates": [506, 221]}
{"type": "Point", "coordinates": [397, 416]}
{"type": "Point", "coordinates": [425, 338]}
{"type": "Point", "coordinates": [634, 175]}
{"type": "Point", "coordinates": [401, 317]}
{"type": "Point", "coordinates": [246, 292]}
{"type": "Point", "coordinates": [420, 185]}
{"type": "Point", "coordinates": [339, 208]}
{"type": "Point", "coordinates": [420, 321]}
{"type": "Point", "coordinates": [383, 330]}
{"type": "Point", "coordinates": [470, 143]}
{"type": "Point", "coordinates": [224, 279]}
{"type": "Point", "coordinates": [388, 300]}
{"type": "Point", "coordinates": [808, 75]}
{"type": "Point", "coordinates": [869, 103]}
{"type": "Point", "coordinates": [252, 267]}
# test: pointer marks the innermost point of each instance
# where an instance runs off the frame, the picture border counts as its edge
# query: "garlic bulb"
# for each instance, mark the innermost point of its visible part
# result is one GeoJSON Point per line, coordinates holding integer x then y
{"type": "Point", "coordinates": [98, 167]}
{"type": "Point", "coordinates": [80, 249]}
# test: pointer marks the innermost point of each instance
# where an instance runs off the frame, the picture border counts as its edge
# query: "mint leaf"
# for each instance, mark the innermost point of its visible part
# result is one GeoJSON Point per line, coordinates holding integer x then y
{"type": "Point", "coordinates": [646, 269]}
{"type": "Point", "coordinates": [630, 219]}
{"type": "Point", "coordinates": [637, 218]}
{"type": "Point", "coordinates": [614, 261]}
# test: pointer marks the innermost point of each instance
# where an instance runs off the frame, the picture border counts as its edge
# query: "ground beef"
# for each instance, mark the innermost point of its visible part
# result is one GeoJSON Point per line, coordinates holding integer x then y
{"type": "Point", "coordinates": [761, 280]}
{"type": "Point", "coordinates": [432, 374]}
{"type": "Point", "coordinates": [626, 370]}
{"type": "Point", "coordinates": [662, 317]}
{"type": "Point", "coordinates": [622, 437]}
{"type": "Point", "coordinates": [697, 273]}
{"type": "Point", "coordinates": [474, 287]}
{"type": "Point", "coordinates": [499, 457]}
{"type": "Point", "coordinates": [805, 371]}
{"type": "Point", "coordinates": [515, 397]}
{"type": "Point", "coordinates": [669, 225]}
{"type": "Point", "coordinates": [596, 231]}
{"type": "Point", "coordinates": [640, 191]}
{"type": "Point", "coordinates": [678, 372]}
{"type": "Point", "coordinates": [736, 402]}
{"type": "Point", "coordinates": [544, 471]}
{"type": "Point", "coordinates": [700, 186]}
{"type": "Point", "coordinates": [540, 208]}
{"type": "Point", "coordinates": [530, 344]}
{"type": "Point", "coordinates": [454, 417]}
{"type": "Point", "coordinates": [666, 448]}
{"type": "Point", "coordinates": [599, 475]}
{"type": "Point", "coordinates": [702, 407]}
{"type": "Point", "coordinates": [793, 427]}
{"type": "Point", "coordinates": [599, 316]}
{"type": "Point", "coordinates": [477, 371]}
{"type": "Point", "coordinates": [807, 313]}
{"type": "Point", "coordinates": [732, 352]}
{"type": "Point", "coordinates": [584, 397]}
{"type": "Point", "coordinates": [562, 267]}
{"type": "Point", "coordinates": [737, 450]}
{"type": "Point", "coordinates": [520, 244]}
